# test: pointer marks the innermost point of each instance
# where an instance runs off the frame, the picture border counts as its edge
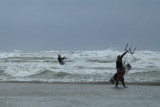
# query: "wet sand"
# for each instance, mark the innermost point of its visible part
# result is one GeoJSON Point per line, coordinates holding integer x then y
{"type": "Point", "coordinates": [23, 94]}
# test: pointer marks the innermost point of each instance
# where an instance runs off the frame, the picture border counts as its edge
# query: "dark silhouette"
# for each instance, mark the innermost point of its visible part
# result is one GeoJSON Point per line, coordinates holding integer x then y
{"type": "Point", "coordinates": [60, 60]}
{"type": "Point", "coordinates": [120, 70]}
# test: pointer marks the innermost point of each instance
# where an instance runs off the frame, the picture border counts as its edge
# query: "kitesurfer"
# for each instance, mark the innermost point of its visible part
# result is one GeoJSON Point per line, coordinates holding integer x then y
{"type": "Point", "coordinates": [120, 70]}
{"type": "Point", "coordinates": [60, 59]}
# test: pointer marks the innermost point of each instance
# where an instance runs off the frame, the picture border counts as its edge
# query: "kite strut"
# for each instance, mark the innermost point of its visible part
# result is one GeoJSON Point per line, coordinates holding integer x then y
{"type": "Point", "coordinates": [129, 50]}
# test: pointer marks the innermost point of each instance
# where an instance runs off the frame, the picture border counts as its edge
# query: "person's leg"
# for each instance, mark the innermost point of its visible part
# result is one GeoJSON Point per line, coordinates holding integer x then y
{"type": "Point", "coordinates": [117, 80]}
{"type": "Point", "coordinates": [117, 83]}
{"type": "Point", "coordinates": [123, 81]}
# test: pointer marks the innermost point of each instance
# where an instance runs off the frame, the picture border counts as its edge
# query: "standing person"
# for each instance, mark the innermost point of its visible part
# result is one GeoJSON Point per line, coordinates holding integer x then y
{"type": "Point", "coordinates": [60, 60]}
{"type": "Point", "coordinates": [120, 70]}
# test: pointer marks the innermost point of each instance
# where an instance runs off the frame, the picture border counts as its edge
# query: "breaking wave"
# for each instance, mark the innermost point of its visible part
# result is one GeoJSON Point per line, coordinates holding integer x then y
{"type": "Point", "coordinates": [80, 66]}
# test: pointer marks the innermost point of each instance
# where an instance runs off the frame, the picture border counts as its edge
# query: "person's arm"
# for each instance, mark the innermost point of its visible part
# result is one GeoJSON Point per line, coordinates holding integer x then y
{"type": "Point", "coordinates": [123, 54]}
{"type": "Point", "coordinates": [63, 57]}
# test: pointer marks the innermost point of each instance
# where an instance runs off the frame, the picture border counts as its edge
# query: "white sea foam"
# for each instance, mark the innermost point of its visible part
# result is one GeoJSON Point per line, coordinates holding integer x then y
{"type": "Point", "coordinates": [79, 65]}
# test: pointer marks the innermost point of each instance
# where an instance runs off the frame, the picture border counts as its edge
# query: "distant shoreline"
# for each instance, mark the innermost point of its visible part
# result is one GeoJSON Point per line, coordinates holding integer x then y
{"type": "Point", "coordinates": [98, 83]}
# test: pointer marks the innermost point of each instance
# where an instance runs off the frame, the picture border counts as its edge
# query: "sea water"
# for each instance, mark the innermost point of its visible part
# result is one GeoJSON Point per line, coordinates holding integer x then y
{"type": "Point", "coordinates": [80, 66]}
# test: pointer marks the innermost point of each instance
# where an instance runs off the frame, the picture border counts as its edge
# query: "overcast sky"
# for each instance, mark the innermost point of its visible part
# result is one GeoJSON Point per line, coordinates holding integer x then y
{"type": "Point", "coordinates": [79, 24]}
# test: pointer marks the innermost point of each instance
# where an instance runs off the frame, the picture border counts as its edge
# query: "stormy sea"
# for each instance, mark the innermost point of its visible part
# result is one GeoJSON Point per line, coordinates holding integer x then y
{"type": "Point", "coordinates": [80, 66]}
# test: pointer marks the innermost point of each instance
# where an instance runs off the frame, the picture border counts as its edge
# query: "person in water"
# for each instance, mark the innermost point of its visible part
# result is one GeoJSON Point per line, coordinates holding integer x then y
{"type": "Point", "coordinates": [120, 70]}
{"type": "Point", "coordinates": [60, 59]}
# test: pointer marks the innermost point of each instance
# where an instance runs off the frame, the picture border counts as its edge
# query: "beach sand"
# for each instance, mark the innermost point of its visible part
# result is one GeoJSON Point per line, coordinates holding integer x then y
{"type": "Point", "coordinates": [23, 94]}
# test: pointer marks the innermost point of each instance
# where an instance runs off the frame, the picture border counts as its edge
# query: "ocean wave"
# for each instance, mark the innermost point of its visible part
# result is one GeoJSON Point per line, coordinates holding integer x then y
{"type": "Point", "coordinates": [79, 65]}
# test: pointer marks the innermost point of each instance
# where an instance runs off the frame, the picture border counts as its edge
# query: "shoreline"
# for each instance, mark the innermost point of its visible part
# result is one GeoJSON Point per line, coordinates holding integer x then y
{"type": "Point", "coordinates": [40, 94]}
{"type": "Point", "coordinates": [98, 83]}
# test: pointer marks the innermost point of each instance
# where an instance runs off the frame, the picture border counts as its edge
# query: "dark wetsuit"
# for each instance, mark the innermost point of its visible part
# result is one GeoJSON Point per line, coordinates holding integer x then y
{"type": "Point", "coordinates": [119, 64]}
{"type": "Point", "coordinates": [61, 60]}
{"type": "Point", "coordinates": [120, 71]}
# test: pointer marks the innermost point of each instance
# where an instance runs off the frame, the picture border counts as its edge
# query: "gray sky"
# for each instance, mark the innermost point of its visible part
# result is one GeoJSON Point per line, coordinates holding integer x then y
{"type": "Point", "coordinates": [79, 24]}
